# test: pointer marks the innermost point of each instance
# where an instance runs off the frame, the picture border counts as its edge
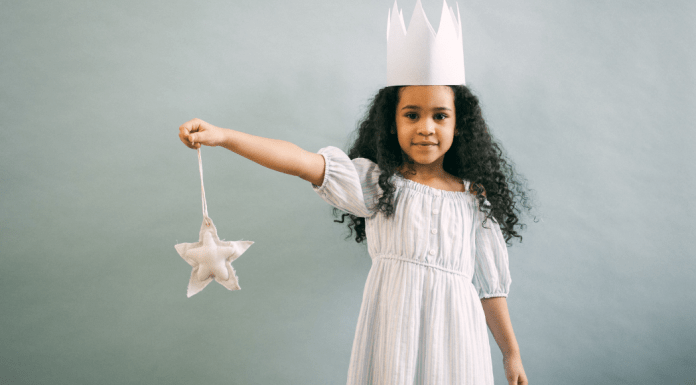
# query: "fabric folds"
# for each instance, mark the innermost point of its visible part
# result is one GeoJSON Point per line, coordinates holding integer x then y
{"type": "Point", "coordinates": [421, 319]}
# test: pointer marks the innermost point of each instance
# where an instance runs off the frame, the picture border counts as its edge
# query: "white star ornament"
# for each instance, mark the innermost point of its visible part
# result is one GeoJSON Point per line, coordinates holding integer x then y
{"type": "Point", "coordinates": [211, 258]}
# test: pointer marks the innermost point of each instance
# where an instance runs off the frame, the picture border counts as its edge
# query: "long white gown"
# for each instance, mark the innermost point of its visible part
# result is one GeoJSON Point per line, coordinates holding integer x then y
{"type": "Point", "coordinates": [421, 319]}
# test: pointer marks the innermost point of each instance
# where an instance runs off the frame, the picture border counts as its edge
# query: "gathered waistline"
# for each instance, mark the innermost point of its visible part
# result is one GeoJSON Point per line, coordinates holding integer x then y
{"type": "Point", "coordinates": [416, 262]}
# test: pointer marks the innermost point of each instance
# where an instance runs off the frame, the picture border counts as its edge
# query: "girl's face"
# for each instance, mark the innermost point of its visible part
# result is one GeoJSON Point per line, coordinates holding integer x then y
{"type": "Point", "coordinates": [425, 122]}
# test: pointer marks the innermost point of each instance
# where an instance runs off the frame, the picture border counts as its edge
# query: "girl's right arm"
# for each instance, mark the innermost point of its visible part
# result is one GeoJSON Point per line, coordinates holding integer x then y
{"type": "Point", "coordinates": [275, 154]}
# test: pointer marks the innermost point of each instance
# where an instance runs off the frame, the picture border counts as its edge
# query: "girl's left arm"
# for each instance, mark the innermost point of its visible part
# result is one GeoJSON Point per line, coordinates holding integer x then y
{"type": "Point", "coordinates": [498, 320]}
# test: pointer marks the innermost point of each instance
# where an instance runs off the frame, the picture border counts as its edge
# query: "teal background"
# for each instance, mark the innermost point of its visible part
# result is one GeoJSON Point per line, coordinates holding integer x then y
{"type": "Point", "coordinates": [594, 101]}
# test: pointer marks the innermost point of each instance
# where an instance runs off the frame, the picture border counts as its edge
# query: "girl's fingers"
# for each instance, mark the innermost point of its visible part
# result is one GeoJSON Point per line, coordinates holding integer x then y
{"type": "Point", "coordinates": [189, 133]}
{"type": "Point", "coordinates": [195, 140]}
{"type": "Point", "coordinates": [184, 134]}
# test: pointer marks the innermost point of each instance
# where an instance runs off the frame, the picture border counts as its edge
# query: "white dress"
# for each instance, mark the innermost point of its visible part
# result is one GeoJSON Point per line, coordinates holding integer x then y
{"type": "Point", "coordinates": [421, 319]}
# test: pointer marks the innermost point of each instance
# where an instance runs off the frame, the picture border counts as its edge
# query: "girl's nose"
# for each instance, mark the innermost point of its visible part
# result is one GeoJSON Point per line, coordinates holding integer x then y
{"type": "Point", "coordinates": [427, 127]}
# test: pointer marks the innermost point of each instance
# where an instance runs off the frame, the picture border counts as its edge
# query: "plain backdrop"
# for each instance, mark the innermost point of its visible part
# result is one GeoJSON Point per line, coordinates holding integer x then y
{"type": "Point", "coordinates": [594, 101]}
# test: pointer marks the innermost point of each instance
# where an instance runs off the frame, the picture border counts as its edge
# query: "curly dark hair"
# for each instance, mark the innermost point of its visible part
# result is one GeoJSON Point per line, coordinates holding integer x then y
{"type": "Point", "coordinates": [474, 156]}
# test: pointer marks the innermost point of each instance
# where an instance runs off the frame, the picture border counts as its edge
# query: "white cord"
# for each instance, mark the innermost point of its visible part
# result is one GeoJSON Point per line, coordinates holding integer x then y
{"type": "Point", "coordinates": [205, 205]}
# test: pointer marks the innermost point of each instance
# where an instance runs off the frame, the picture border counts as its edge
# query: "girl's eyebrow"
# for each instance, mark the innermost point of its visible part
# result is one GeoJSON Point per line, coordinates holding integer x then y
{"type": "Point", "coordinates": [412, 107]}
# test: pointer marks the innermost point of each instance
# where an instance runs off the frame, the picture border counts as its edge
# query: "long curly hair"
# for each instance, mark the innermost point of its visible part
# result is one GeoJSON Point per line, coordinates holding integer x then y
{"type": "Point", "coordinates": [474, 156]}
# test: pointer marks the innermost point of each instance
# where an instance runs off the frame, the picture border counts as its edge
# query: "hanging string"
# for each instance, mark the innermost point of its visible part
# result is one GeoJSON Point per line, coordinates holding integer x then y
{"type": "Point", "coordinates": [205, 205]}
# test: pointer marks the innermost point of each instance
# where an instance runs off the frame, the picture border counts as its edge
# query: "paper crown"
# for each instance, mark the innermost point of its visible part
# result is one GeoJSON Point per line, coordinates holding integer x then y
{"type": "Point", "coordinates": [419, 56]}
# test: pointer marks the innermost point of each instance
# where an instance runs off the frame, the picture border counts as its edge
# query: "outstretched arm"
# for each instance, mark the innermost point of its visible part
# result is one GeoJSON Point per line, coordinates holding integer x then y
{"type": "Point", "coordinates": [498, 320]}
{"type": "Point", "coordinates": [275, 154]}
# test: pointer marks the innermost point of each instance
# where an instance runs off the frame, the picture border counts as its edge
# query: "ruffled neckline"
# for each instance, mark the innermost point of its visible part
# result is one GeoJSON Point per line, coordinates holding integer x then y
{"type": "Point", "coordinates": [425, 189]}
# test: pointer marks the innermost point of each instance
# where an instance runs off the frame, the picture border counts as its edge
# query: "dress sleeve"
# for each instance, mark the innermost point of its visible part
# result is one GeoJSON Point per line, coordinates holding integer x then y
{"type": "Point", "coordinates": [491, 270]}
{"type": "Point", "coordinates": [349, 185]}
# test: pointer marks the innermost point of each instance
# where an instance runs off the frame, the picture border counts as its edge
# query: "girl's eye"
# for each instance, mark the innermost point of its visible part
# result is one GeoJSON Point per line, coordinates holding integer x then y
{"type": "Point", "coordinates": [440, 116]}
{"type": "Point", "coordinates": [411, 115]}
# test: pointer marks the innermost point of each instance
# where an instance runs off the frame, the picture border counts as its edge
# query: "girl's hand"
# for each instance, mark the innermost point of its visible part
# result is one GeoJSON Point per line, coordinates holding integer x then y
{"type": "Point", "coordinates": [514, 372]}
{"type": "Point", "coordinates": [196, 132]}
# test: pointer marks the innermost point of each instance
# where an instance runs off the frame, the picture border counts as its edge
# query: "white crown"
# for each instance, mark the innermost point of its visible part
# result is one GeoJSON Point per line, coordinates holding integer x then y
{"type": "Point", "coordinates": [419, 57]}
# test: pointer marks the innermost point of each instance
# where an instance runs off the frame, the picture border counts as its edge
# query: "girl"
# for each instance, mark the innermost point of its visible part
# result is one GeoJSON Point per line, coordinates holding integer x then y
{"type": "Point", "coordinates": [430, 191]}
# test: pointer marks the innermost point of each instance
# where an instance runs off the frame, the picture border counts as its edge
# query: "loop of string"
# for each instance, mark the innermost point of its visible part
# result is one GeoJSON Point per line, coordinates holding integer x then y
{"type": "Point", "coordinates": [205, 205]}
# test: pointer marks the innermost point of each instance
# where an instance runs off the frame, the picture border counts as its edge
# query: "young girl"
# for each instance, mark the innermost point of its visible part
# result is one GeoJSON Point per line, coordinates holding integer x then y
{"type": "Point", "coordinates": [430, 191]}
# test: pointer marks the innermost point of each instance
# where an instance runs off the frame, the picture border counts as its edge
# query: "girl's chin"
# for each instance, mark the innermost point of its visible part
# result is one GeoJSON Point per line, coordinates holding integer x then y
{"type": "Point", "coordinates": [422, 160]}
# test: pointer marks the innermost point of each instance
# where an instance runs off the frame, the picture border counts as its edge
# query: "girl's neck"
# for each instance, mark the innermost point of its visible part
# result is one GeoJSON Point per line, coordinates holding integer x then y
{"type": "Point", "coordinates": [432, 175]}
{"type": "Point", "coordinates": [425, 173]}
{"type": "Point", "coordinates": [437, 179]}
{"type": "Point", "coordinates": [420, 172]}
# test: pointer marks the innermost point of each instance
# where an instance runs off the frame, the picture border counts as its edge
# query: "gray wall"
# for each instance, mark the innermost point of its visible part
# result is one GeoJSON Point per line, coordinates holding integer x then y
{"type": "Point", "coordinates": [594, 101]}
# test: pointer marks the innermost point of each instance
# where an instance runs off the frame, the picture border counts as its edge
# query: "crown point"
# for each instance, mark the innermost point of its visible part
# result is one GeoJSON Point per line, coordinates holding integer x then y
{"type": "Point", "coordinates": [388, 24]}
{"type": "Point", "coordinates": [447, 25]}
{"type": "Point", "coordinates": [459, 20]}
{"type": "Point", "coordinates": [419, 20]}
{"type": "Point", "coordinates": [395, 21]}
{"type": "Point", "coordinates": [419, 56]}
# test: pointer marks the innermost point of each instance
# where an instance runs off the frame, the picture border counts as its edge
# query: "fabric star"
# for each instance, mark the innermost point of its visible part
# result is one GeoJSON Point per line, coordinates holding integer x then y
{"type": "Point", "coordinates": [211, 258]}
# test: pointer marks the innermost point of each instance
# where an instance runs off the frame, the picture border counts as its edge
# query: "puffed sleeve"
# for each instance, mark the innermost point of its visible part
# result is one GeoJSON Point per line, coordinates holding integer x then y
{"type": "Point", "coordinates": [492, 270]}
{"type": "Point", "coordinates": [349, 185]}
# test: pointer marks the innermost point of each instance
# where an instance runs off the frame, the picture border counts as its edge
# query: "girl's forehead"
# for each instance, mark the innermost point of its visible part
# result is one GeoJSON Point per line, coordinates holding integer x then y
{"type": "Point", "coordinates": [426, 95]}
